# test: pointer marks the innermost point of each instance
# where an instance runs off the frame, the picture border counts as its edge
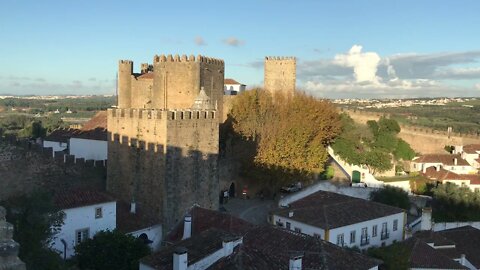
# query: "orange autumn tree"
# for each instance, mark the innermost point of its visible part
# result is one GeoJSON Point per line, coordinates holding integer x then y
{"type": "Point", "coordinates": [291, 132]}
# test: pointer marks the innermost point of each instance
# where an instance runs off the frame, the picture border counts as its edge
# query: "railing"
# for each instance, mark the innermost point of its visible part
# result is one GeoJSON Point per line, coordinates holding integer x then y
{"type": "Point", "coordinates": [365, 240]}
{"type": "Point", "coordinates": [385, 235]}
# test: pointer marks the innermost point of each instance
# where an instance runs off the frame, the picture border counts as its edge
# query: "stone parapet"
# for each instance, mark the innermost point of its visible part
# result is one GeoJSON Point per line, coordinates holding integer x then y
{"type": "Point", "coordinates": [8, 248]}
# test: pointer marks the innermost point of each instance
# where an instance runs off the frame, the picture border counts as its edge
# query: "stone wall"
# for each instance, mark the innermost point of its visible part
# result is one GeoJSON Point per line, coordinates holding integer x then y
{"type": "Point", "coordinates": [25, 167]}
{"type": "Point", "coordinates": [280, 74]}
{"type": "Point", "coordinates": [8, 248]}
{"type": "Point", "coordinates": [422, 140]}
{"type": "Point", "coordinates": [164, 160]}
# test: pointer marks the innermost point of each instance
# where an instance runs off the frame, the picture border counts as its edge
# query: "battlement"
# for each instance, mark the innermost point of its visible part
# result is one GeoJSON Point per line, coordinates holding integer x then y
{"type": "Point", "coordinates": [280, 58]}
{"type": "Point", "coordinates": [184, 58]}
{"type": "Point", "coordinates": [162, 114]}
{"type": "Point", "coordinates": [125, 62]}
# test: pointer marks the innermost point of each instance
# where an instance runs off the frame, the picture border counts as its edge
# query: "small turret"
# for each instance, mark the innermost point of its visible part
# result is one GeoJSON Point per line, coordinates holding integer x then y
{"type": "Point", "coordinates": [125, 71]}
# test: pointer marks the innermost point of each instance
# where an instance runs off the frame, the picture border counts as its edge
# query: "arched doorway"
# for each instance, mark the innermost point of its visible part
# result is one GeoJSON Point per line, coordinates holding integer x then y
{"type": "Point", "coordinates": [356, 177]}
{"type": "Point", "coordinates": [231, 190]}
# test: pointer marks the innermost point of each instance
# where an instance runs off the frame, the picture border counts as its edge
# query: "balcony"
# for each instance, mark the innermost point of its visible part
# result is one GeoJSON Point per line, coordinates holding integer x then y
{"type": "Point", "coordinates": [365, 240]}
{"type": "Point", "coordinates": [385, 235]}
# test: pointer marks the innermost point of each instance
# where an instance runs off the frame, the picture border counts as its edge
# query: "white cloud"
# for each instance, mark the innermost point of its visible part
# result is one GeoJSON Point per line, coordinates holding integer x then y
{"type": "Point", "coordinates": [364, 64]}
{"type": "Point", "coordinates": [200, 41]}
{"type": "Point", "coordinates": [233, 41]}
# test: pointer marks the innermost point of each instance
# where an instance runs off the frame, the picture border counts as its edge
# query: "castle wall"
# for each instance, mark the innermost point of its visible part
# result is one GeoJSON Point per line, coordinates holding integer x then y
{"type": "Point", "coordinates": [141, 96]}
{"type": "Point", "coordinates": [164, 160]}
{"type": "Point", "coordinates": [280, 74]}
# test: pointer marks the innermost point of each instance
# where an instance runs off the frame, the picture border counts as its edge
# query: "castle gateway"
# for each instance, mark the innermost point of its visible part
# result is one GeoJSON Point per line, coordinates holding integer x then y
{"type": "Point", "coordinates": [163, 138]}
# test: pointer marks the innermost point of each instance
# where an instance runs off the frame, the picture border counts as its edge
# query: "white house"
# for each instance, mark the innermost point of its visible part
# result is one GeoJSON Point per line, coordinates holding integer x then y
{"type": "Point", "coordinates": [86, 213]}
{"type": "Point", "coordinates": [343, 220]}
{"type": "Point", "coordinates": [232, 87]}
{"type": "Point", "coordinates": [454, 163]}
{"type": "Point", "coordinates": [58, 139]}
{"type": "Point", "coordinates": [471, 153]}
{"type": "Point", "coordinates": [443, 176]}
{"type": "Point", "coordinates": [91, 144]}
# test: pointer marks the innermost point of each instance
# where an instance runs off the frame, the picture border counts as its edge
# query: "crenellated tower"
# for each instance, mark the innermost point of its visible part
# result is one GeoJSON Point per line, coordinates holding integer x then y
{"type": "Point", "coordinates": [125, 72]}
{"type": "Point", "coordinates": [280, 74]}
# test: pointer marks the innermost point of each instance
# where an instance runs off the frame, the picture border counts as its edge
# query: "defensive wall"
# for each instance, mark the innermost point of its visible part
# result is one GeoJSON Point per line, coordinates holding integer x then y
{"type": "Point", "coordinates": [27, 166]}
{"type": "Point", "coordinates": [421, 139]}
{"type": "Point", "coordinates": [164, 160]}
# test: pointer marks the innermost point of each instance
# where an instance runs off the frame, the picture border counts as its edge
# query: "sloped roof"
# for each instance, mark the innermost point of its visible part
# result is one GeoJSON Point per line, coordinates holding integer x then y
{"type": "Point", "coordinates": [467, 241]}
{"type": "Point", "coordinates": [99, 120]}
{"type": "Point", "coordinates": [128, 222]}
{"type": "Point", "coordinates": [61, 135]}
{"type": "Point", "coordinates": [424, 256]}
{"type": "Point", "coordinates": [264, 247]}
{"type": "Point", "coordinates": [146, 76]}
{"type": "Point", "coordinates": [231, 81]}
{"type": "Point", "coordinates": [328, 210]}
{"type": "Point", "coordinates": [73, 198]}
{"type": "Point", "coordinates": [445, 159]}
{"type": "Point", "coordinates": [442, 174]}
{"type": "Point", "coordinates": [471, 148]}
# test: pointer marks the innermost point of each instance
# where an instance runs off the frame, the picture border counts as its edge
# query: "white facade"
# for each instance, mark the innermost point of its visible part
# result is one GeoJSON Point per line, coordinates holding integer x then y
{"type": "Point", "coordinates": [387, 237]}
{"type": "Point", "coordinates": [458, 169]}
{"type": "Point", "coordinates": [154, 234]}
{"type": "Point", "coordinates": [80, 220]}
{"type": "Point", "coordinates": [88, 149]}
{"type": "Point", "coordinates": [56, 146]}
{"type": "Point", "coordinates": [233, 89]}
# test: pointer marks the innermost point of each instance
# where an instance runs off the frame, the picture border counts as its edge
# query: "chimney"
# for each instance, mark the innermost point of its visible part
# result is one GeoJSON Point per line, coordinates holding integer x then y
{"type": "Point", "coordinates": [463, 259]}
{"type": "Point", "coordinates": [180, 259]}
{"type": "Point", "coordinates": [295, 262]}
{"type": "Point", "coordinates": [455, 161]}
{"type": "Point", "coordinates": [290, 214]}
{"type": "Point", "coordinates": [133, 207]}
{"type": "Point", "coordinates": [437, 167]}
{"type": "Point", "coordinates": [426, 222]}
{"type": "Point", "coordinates": [187, 227]}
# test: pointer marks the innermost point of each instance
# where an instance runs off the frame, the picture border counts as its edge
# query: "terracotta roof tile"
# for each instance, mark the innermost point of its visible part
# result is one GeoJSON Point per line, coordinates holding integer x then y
{"type": "Point", "coordinates": [445, 159]}
{"type": "Point", "coordinates": [129, 222]}
{"type": "Point", "coordinates": [74, 198]}
{"type": "Point", "coordinates": [61, 135]}
{"type": "Point", "coordinates": [99, 120]}
{"type": "Point", "coordinates": [146, 76]}
{"type": "Point", "coordinates": [471, 148]}
{"type": "Point", "coordinates": [231, 81]}
{"type": "Point", "coordinates": [330, 210]}
{"type": "Point", "coordinates": [467, 241]}
{"type": "Point", "coordinates": [442, 174]}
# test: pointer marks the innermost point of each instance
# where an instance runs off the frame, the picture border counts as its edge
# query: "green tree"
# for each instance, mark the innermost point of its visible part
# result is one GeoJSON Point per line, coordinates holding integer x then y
{"type": "Point", "coordinates": [36, 220]}
{"type": "Point", "coordinates": [111, 250]}
{"type": "Point", "coordinates": [377, 161]}
{"type": "Point", "coordinates": [392, 196]}
{"type": "Point", "coordinates": [403, 151]}
{"type": "Point", "coordinates": [386, 125]}
{"type": "Point", "coordinates": [455, 203]}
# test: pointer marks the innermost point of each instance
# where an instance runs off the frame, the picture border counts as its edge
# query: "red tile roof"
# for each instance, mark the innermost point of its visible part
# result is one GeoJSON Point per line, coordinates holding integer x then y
{"type": "Point", "coordinates": [442, 174]}
{"type": "Point", "coordinates": [328, 210]}
{"type": "Point", "coordinates": [61, 135]}
{"type": "Point", "coordinates": [98, 134]}
{"type": "Point", "coordinates": [471, 148]}
{"type": "Point", "coordinates": [74, 198]}
{"type": "Point", "coordinates": [467, 241]}
{"type": "Point", "coordinates": [230, 81]}
{"type": "Point", "coordinates": [445, 159]}
{"type": "Point", "coordinates": [146, 76]}
{"type": "Point", "coordinates": [99, 120]}
{"type": "Point", "coordinates": [474, 178]}
{"type": "Point", "coordinates": [128, 222]}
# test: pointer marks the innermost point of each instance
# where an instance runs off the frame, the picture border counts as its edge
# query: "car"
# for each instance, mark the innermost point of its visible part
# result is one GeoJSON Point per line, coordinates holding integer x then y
{"type": "Point", "coordinates": [292, 188]}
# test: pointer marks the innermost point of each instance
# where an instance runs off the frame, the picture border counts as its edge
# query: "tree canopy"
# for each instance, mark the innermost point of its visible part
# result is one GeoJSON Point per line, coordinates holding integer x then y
{"type": "Point", "coordinates": [373, 145]}
{"type": "Point", "coordinates": [111, 250]}
{"type": "Point", "coordinates": [35, 220]}
{"type": "Point", "coordinates": [290, 133]}
{"type": "Point", "coordinates": [455, 203]}
{"type": "Point", "coordinates": [393, 196]}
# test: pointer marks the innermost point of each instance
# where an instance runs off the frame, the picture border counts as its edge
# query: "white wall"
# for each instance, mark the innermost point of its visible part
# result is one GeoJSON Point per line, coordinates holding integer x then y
{"type": "Point", "coordinates": [229, 88]}
{"type": "Point", "coordinates": [88, 149]}
{"type": "Point", "coordinates": [441, 226]}
{"type": "Point", "coordinates": [333, 233]}
{"type": "Point", "coordinates": [82, 218]}
{"type": "Point", "coordinates": [57, 146]}
{"type": "Point", "coordinates": [154, 234]}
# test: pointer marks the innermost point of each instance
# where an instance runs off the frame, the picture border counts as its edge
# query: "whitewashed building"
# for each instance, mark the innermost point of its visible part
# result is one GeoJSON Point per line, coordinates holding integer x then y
{"type": "Point", "coordinates": [86, 213]}
{"type": "Point", "coordinates": [454, 163]}
{"type": "Point", "coordinates": [58, 139]}
{"type": "Point", "coordinates": [90, 144]}
{"type": "Point", "coordinates": [471, 153]}
{"type": "Point", "coordinates": [343, 220]}
{"type": "Point", "coordinates": [232, 87]}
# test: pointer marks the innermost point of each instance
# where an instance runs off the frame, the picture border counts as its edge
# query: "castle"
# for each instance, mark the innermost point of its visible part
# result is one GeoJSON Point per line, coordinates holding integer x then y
{"type": "Point", "coordinates": [164, 136]}
{"type": "Point", "coordinates": [280, 74]}
{"type": "Point", "coordinates": [163, 140]}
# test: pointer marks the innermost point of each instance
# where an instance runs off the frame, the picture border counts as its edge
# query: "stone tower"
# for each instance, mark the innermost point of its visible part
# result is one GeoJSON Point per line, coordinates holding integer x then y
{"type": "Point", "coordinates": [8, 248]}
{"type": "Point", "coordinates": [280, 74]}
{"type": "Point", "coordinates": [125, 71]}
{"type": "Point", "coordinates": [163, 147]}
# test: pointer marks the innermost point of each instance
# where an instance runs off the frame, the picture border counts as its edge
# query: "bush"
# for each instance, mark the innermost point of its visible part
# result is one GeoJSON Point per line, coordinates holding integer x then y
{"type": "Point", "coordinates": [392, 196]}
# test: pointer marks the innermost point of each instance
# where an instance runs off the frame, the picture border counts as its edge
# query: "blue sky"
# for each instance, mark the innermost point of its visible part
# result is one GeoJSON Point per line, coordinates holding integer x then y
{"type": "Point", "coordinates": [344, 48]}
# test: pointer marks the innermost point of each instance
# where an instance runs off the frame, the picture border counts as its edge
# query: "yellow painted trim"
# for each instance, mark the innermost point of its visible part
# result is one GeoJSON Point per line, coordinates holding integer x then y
{"type": "Point", "coordinates": [327, 235]}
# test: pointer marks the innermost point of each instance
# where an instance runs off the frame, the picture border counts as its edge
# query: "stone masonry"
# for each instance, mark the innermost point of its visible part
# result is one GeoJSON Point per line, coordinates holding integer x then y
{"type": "Point", "coordinates": [8, 248]}
{"type": "Point", "coordinates": [162, 143]}
{"type": "Point", "coordinates": [280, 74]}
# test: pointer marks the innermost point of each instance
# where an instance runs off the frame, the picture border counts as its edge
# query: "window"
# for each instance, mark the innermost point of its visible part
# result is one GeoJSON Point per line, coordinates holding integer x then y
{"type": "Point", "coordinates": [374, 230]}
{"type": "Point", "coordinates": [279, 223]}
{"type": "Point", "coordinates": [340, 240]}
{"type": "Point", "coordinates": [364, 239]}
{"type": "Point", "coordinates": [384, 235]}
{"type": "Point", "coordinates": [298, 230]}
{"type": "Point", "coordinates": [317, 236]}
{"type": "Point", "coordinates": [395, 224]}
{"type": "Point", "coordinates": [98, 212]}
{"type": "Point", "coordinates": [288, 225]}
{"type": "Point", "coordinates": [82, 235]}
{"type": "Point", "coordinates": [352, 237]}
